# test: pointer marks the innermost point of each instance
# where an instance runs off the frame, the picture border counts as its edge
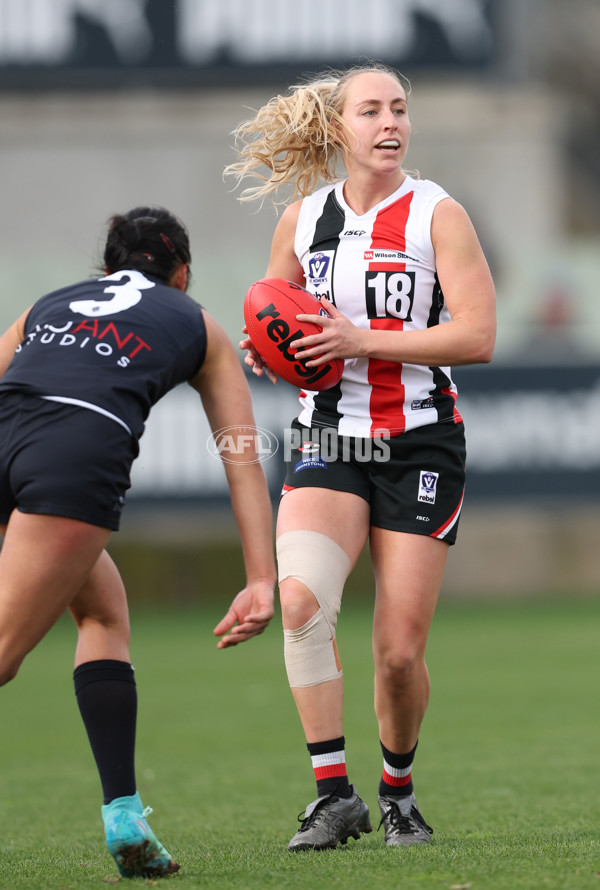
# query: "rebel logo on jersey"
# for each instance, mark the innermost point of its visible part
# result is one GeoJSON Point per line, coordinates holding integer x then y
{"type": "Point", "coordinates": [270, 309]}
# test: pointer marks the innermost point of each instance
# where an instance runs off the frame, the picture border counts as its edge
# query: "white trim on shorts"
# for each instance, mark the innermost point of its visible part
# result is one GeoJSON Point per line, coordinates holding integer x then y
{"type": "Point", "coordinates": [91, 407]}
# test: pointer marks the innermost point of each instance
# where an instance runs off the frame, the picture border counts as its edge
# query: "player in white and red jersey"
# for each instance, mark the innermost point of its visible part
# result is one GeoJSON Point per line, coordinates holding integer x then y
{"type": "Point", "coordinates": [379, 270]}
{"type": "Point", "coordinates": [381, 455]}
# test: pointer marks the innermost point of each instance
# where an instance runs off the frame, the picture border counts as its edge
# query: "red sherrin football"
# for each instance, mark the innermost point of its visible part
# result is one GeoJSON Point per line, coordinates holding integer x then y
{"type": "Point", "coordinates": [270, 311]}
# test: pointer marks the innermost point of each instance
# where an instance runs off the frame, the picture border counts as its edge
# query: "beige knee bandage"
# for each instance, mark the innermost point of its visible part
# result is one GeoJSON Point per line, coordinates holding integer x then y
{"type": "Point", "coordinates": [320, 564]}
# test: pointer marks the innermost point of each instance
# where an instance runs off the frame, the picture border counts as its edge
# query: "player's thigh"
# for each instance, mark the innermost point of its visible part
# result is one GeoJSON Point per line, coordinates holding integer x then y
{"type": "Point", "coordinates": [340, 515]}
{"type": "Point", "coordinates": [44, 561]}
{"type": "Point", "coordinates": [339, 522]}
{"type": "Point", "coordinates": [408, 572]}
{"type": "Point", "coordinates": [325, 491]}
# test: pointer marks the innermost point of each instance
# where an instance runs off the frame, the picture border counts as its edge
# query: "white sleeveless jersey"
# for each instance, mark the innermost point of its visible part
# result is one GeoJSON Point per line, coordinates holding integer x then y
{"type": "Point", "coordinates": [379, 270]}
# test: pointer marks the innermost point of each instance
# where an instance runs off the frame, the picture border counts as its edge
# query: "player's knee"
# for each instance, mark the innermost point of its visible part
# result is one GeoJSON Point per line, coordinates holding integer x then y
{"type": "Point", "coordinates": [319, 567]}
{"type": "Point", "coordinates": [398, 668]}
{"type": "Point", "coordinates": [312, 573]}
{"type": "Point", "coordinates": [101, 620]}
{"type": "Point", "coordinates": [298, 603]}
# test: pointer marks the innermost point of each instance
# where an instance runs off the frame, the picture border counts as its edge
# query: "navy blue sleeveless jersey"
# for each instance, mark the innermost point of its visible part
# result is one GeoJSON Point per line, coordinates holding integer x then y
{"type": "Point", "coordinates": [115, 345]}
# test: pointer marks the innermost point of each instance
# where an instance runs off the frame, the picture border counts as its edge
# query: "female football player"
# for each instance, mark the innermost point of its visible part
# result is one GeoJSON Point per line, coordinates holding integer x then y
{"type": "Point", "coordinates": [80, 371]}
{"type": "Point", "coordinates": [398, 267]}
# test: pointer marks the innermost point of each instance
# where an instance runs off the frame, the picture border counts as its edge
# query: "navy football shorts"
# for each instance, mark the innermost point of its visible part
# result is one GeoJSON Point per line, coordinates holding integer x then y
{"type": "Point", "coordinates": [62, 460]}
{"type": "Point", "coordinates": [413, 482]}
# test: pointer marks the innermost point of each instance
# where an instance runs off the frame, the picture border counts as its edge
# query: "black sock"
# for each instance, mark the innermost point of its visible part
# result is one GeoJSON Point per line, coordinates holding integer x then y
{"type": "Point", "coordinates": [396, 780]}
{"type": "Point", "coordinates": [107, 699]}
{"type": "Point", "coordinates": [329, 763]}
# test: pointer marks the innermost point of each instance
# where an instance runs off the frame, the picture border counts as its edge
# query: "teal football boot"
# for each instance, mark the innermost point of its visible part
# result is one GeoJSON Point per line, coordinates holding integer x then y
{"type": "Point", "coordinates": [131, 842]}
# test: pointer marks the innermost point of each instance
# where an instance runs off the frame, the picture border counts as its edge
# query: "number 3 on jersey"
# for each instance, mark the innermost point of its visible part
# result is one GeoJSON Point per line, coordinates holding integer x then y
{"type": "Point", "coordinates": [390, 294]}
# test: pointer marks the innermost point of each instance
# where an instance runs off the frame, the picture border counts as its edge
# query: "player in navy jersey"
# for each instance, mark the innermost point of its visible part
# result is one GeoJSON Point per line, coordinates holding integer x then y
{"type": "Point", "coordinates": [80, 371]}
{"type": "Point", "coordinates": [381, 455]}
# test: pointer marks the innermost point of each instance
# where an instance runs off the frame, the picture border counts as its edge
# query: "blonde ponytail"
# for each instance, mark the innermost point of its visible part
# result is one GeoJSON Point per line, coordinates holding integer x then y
{"type": "Point", "coordinates": [298, 140]}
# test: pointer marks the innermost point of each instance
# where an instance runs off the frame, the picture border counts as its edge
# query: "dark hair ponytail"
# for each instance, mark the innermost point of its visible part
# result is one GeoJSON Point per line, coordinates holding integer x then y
{"type": "Point", "coordinates": [149, 239]}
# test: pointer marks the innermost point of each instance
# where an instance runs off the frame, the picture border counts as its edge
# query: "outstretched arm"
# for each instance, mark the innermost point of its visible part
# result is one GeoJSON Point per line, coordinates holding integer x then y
{"type": "Point", "coordinates": [226, 399]}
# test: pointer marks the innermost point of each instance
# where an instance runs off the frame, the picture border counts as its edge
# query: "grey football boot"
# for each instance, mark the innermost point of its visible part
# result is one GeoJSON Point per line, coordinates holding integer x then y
{"type": "Point", "coordinates": [404, 825]}
{"type": "Point", "coordinates": [331, 820]}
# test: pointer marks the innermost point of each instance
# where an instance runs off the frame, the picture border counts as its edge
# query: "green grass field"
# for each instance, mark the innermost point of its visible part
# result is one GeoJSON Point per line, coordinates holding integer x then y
{"type": "Point", "coordinates": [507, 768]}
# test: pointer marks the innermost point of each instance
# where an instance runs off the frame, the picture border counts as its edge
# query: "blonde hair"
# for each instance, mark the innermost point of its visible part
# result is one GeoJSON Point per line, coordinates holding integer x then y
{"type": "Point", "coordinates": [299, 138]}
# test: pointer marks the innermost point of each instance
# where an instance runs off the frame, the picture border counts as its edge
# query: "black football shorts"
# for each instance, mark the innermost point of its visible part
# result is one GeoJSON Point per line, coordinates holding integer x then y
{"type": "Point", "coordinates": [413, 482]}
{"type": "Point", "coordinates": [62, 460]}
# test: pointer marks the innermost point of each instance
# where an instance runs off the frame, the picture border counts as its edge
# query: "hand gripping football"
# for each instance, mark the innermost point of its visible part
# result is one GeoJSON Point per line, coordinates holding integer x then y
{"type": "Point", "coordinates": [270, 310]}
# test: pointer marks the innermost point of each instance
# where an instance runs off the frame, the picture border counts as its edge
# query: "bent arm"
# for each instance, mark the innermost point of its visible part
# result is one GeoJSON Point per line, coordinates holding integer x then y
{"type": "Point", "coordinates": [468, 290]}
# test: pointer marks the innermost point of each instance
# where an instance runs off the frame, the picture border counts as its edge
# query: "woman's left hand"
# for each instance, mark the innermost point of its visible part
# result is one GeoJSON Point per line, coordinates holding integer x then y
{"type": "Point", "coordinates": [248, 615]}
{"type": "Point", "coordinates": [338, 339]}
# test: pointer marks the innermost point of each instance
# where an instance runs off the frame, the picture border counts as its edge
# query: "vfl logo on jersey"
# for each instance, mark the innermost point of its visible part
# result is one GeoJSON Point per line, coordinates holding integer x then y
{"type": "Point", "coordinates": [427, 486]}
{"type": "Point", "coordinates": [390, 294]}
{"type": "Point", "coordinates": [318, 266]}
{"type": "Point", "coordinates": [125, 296]}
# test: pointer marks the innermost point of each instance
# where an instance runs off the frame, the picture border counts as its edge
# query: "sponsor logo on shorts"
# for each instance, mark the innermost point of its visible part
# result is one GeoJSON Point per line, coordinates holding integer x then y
{"type": "Point", "coordinates": [427, 486]}
{"type": "Point", "coordinates": [311, 457]}
{"type": "Point", "coordinates": [320, 447]}
{"type": "Point", "coordinates": [309, 448]}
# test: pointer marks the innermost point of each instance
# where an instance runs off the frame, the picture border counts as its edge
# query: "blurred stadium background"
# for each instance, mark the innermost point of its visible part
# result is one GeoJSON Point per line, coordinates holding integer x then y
{"type": "Point", "coordinates": [105, 104]}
